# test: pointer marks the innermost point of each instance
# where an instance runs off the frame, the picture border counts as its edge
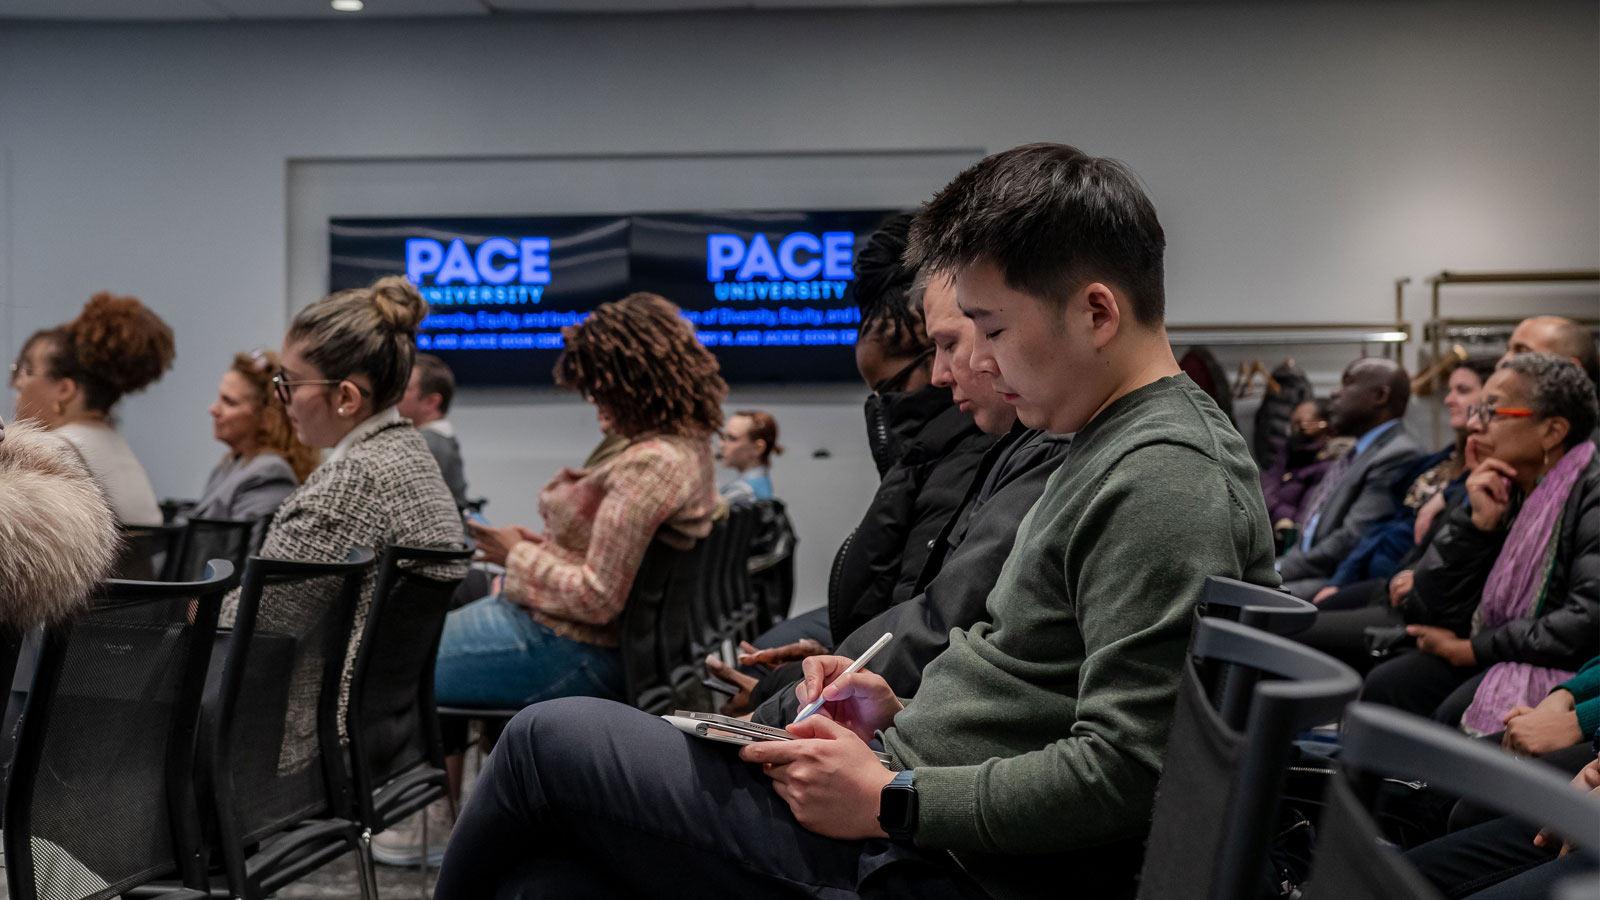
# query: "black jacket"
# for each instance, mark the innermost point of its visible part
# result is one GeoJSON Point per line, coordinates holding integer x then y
{"type": "Point", "coordinates": [1566, 632]}
{"type": "Point", "coordinates": [954, 586]}
{"type": "Point", "coordinates": [878, 564]}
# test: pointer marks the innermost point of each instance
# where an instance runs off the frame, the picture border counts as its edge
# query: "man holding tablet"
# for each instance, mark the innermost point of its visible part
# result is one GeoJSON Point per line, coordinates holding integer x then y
{"type": "Point", "coordinates": [1026, 765]}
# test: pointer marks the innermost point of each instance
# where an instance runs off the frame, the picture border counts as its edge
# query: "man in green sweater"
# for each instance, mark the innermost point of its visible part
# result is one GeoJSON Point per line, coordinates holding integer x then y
{"type": "Point", "coordinates": [1026, 765]}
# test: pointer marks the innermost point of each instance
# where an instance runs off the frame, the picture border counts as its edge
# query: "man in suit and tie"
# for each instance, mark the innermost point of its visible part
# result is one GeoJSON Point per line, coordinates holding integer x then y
{"type": "Point", "coordinates": [1359, 489]}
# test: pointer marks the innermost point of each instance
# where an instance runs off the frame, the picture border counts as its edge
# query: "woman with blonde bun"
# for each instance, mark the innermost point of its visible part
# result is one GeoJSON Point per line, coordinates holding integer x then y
{"type": "Point", "coordinates": [69, 378]}
{"type": "Point", "coordinates": [344, 366]}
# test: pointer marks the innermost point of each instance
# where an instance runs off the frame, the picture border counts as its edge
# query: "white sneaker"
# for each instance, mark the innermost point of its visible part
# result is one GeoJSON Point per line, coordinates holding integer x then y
{"type": "Point", "coordinates": [401, 845]}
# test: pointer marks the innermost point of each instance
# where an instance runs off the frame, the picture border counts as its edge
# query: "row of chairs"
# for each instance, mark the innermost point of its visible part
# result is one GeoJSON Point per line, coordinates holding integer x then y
{"type": "Point", "coordinates": [1247, 692]}
{"type": "Point", "coordinates": [686, 604]}
{"type": "Point", "coordinates": [158, 752]}
{"type": "Point", "coordinates": [179, 550]}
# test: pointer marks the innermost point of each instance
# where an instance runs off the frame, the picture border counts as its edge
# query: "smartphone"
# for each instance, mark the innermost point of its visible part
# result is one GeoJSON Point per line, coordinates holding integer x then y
{"type": "Point", "coordinates": [475, 518]}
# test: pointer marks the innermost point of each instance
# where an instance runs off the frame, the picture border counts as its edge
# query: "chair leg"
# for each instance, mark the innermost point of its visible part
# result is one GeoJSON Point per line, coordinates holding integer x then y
{"type": "Point", "coordinates": [365, 866]}
{"type": "Point", "coordinates": [422, 866]}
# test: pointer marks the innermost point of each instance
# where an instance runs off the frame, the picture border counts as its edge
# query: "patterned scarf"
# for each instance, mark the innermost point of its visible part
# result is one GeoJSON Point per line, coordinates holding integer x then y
{"type": "Point", "coordinates": [1516, 589]}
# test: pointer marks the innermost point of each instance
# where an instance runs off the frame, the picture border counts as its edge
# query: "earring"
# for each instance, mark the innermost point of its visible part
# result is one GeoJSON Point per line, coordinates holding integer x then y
{"type": "Point", "coordinates": [1547, 457]}
{"type": "Point", "coordinates": [61, 408]}
{"type": "Point", "coordinates": [344, 410]}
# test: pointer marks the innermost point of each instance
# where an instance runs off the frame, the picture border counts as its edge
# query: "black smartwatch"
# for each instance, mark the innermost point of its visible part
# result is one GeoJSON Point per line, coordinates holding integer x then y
{"type": "Point", "coordinates": [897, 806]}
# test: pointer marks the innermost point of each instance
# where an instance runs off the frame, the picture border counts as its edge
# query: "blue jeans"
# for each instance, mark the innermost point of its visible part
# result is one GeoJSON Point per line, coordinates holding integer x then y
{"type": "Point", "coordinates": [493, 654]}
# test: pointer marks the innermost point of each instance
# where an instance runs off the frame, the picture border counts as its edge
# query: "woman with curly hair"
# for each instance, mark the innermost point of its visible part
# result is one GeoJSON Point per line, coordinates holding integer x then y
{"type": "Point", "coordinates": [265, 461]}
{"type": "Point", "coordinates": [552, 630]}
{"type": "Point", "coordinates": [69, 378]}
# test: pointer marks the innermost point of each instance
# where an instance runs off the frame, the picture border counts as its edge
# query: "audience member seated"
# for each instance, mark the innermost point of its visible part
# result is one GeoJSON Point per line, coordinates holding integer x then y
{"type": "Point", "coordinates": [1504, 858]}
{"type": "Point", "coordinates": [70, 377]}
{"type": "Point", "coordinates": [1566, 717]}
{"type": "Point", "coordinates": [1306, 456]}
{"type": "Point", "coordinates": [345, 362]}
{"type": "Point", "coordinates": [749, 442]}
{"type": "Point", "coordinates": [964, 564]}
{"type": "Point", "coordinates": [1560, 336]}
{"type": "Point", "coordinates": [926, 449]}
{"type": "Point", "coordinates": [1355, 492]}
{"type": "Point", "coordinates": [552, 631]}
{"type": "Point", "coordinates": [426, 403]}
{"type": "Point", "coordinates": [58, 535]}
{"type": "Point", "coordinates": [1033, 747]}
{"type": "Point", "coordinates": [265, 462]}
{"type": "Point", "coordinates": [1368, 588]}
{"type": "Point", "coordinates": [1506, 601]}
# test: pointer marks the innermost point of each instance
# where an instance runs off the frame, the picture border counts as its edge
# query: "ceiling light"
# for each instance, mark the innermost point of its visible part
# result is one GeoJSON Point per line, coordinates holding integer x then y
{"type": "Point", "coordinates": [347, 5]}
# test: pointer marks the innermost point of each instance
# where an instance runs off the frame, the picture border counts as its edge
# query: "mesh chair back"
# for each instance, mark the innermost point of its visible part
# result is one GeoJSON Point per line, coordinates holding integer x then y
{"type": "Point", "coordinates": [680, 653]}
{"type": "Point", "coordinates": [273, 717]}
{"type": "Point", "coordinates": [644, 671]}
{"type": "Point", "coordinates": [1353, 862]}
{"type": "Point", "coordinates": [707, 608]}
{"type": "Point", "coordinates": [145, 551]}
{"type": "Point", "coordinates": [393, 726]}
{"type": "Point", "coordinates": [1218, 796]}
{"type": "Point", "coordinates": [207, 539]}
{"type": "Point", "coordinates": [100, 796]}
{"type": "Point", "coordinates": [772, 562]}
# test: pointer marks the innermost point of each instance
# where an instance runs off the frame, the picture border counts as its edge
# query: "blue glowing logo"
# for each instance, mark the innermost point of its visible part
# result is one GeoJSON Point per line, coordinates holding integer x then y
{"type": "Point", "coordinates": [800, 256]}
{"type": "Point", "coordinates": [501, 270]}
{"type": "Point", "coordinates": [496, 260]}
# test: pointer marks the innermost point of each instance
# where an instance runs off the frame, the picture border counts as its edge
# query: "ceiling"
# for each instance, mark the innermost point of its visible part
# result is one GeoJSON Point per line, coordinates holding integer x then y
{"type": "Point", "coordinates": [237, 10]}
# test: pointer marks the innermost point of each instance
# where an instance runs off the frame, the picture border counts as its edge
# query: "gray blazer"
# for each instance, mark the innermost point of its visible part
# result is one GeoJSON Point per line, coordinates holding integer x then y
{"type": "Point", "coordinates": [1363, 496]}
{"type": "Point", "coordinates": [446, 452]}
{"type": "Point", "coordinates": [245, 490]}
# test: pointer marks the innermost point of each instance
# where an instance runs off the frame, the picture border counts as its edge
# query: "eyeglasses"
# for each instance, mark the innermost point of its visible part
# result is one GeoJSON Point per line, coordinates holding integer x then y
{"type": "Point", "coordinates": [284, 387]}
{"type": "Point", "coordinates": [1483, 415]}
{"type": "Point", "coordinates": [20, 369]}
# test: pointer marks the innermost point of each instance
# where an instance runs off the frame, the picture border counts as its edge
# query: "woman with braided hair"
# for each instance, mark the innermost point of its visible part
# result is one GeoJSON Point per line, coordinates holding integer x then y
{"type": "Point", "coordinates": [552, 630]}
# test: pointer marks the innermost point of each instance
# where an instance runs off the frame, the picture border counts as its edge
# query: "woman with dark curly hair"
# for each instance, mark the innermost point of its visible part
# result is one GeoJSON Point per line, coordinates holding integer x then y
{"type": "Point", "coordinates": [552, 630]}
{"type": "Point", "coordinates": [69, 378]}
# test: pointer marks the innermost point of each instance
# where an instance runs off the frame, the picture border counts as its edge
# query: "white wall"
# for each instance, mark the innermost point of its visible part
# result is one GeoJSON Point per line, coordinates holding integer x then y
{"type": "Point", "coordinates": [1302, 155]}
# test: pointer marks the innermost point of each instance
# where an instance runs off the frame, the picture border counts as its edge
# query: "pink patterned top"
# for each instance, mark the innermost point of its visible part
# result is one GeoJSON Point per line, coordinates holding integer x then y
{"type": "Point", "coordinates": [598, 523]}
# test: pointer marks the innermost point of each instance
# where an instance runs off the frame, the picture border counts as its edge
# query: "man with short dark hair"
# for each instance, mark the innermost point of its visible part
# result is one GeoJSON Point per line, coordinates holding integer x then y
{"type": "Point", "coordinates": [426, 403]}
{"type": "Point", "coordinates": [1027, 763]}
{"type": "Point", "coordinates": [1358, 491]}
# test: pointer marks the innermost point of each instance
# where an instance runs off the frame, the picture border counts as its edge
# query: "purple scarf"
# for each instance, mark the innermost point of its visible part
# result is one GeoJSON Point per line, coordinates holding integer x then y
{"type": "Point", "coordinates": [1516, 589]}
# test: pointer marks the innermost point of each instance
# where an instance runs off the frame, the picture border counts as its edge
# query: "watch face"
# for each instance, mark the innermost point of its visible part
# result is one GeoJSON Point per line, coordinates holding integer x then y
{"type": "Point", "coordinates": [897, 809]}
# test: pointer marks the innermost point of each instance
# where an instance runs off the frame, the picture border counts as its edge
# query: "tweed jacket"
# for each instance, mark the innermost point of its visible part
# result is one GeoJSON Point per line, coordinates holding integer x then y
{"type": "Point", "coordinates": [598, 524]}
{"type": "Point", "coordinates": [385, 488]}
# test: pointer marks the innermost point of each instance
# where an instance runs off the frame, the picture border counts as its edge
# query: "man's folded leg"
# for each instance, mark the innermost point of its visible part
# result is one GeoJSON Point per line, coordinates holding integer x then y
{"type": "Point", "coordinates": [601, 788]}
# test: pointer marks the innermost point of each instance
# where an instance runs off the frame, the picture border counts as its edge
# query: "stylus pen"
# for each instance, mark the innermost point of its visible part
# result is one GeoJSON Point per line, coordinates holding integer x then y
{"type": "Point", "coordinates": [851, 669]}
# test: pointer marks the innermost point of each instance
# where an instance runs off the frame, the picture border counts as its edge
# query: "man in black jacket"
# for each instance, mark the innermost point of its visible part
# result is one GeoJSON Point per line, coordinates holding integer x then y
{"type": "Point", "coordinates": [965, 561]}
{"type": "Point", "coordinates": [926, 449]}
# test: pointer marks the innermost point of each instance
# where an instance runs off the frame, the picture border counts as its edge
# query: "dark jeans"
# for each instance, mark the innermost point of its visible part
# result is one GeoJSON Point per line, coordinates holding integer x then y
{"type": "Point", "coordinates": [1343, 619]}
{"type": "Point", "coordinates": [1424, 685]}
{"type": "Point", "coordinates": [589, 798]}
{"type": "Point", "coordinates": [1495, 861]}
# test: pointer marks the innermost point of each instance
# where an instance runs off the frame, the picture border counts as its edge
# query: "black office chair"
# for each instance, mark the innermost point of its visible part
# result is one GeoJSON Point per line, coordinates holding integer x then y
{"type": "Point", "coordinates": [145, 551]}
{"type": "Point", "coordinates": [1354, 862]}
{"type": "Point", "coordinates": [771, 564]}
{"type": "Point", "coordinates": [1264, 608]}
{"type": "Point", "coordinates": [207, 539]}
{"type": "Point", "coordinates": [645, 672]}
{"type": "Point", "coordinates": [100, 797]}
{"type": "Point", "coordinates": [397, 759]}
{"type": "Point", "coordinates": [275, 775]}
{"type": "Point", "coordinates": [1219, 792]}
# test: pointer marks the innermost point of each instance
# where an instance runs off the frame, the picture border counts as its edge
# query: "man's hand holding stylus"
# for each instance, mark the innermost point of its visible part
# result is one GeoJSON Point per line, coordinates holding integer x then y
{"type": "Point", "coordinates": [861, 701]}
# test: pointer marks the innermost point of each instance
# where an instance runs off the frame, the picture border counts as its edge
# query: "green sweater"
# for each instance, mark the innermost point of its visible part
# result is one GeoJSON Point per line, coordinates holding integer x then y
{"type": "Point", "coordinates": [1042, 730]}
{"type": "Point", "coordinates": [1584, 686]}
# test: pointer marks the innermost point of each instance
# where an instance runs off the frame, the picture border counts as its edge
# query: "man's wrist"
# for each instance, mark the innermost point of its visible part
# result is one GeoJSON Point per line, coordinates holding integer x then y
{"type": "Point", "coordinates": [897, 806]}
